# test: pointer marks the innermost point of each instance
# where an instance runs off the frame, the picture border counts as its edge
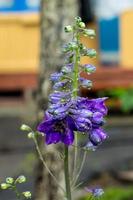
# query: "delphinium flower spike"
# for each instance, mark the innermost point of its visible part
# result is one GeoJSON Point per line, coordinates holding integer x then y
{"type": "Point", "coordinates": [68, 114]}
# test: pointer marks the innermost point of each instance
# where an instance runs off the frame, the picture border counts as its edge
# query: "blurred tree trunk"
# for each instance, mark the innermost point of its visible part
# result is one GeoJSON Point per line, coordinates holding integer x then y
{"type": "Point", "coordinates": [54, 15]}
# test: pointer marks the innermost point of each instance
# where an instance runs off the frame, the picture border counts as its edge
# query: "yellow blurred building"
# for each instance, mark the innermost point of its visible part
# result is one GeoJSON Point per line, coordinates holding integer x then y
{"type": "Point", "coordinates": [19, 43]}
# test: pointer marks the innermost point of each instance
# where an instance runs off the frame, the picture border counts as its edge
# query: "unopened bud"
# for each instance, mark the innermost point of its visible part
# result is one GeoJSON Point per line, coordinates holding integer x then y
{"type": "Point", "coordinates": [66, 69]}
{"type": "Point", "coordinates": [68, 29]}
{"type": "Point", "coordinates": [25, 127]}
{"type": "Point", "coordinates": [89, 68]}
{"type": "Point", "coordinates": [4, 186]}
{"type": "Point", "coordinates": [41, 134]}
{"type": "Point", "coordinates": [9, 180]}
{"type": "Point", "coordinates": [21, 179]}
{"type": "Point", "coordinates": [81, 24]}
{"type": "Point", "coordinates": [89, 32]}
{"type": "Point", "coordinates": [91, 53]}
{"type": "Point", "coordinates": [78, 19]}
{"type": "Point", "coordinates": [31, 135]}
{"type": "Point", "coordinates": [27, 194]}
{"type": "Point", "coordinates": [73, 46]}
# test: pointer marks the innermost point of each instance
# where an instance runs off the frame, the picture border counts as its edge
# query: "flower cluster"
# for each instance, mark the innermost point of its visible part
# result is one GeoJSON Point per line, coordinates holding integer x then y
{"type": "Point", "coordinates": [68, 113]}
{"type": "Point", "coordinates": [11, 184]}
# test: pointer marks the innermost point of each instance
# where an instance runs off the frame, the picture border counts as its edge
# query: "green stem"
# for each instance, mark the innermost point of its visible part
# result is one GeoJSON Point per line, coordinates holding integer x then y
{"type": "Point", "coordinates": [75, 90]}
{"type": "Point", "coordinates": [76, 64]}
{"type": "Point", "coordinates": [18, 195]}
{"type": "Point", "coordinates": [80, 170]}
{"type": "Point", "coordinates": [66, 171]}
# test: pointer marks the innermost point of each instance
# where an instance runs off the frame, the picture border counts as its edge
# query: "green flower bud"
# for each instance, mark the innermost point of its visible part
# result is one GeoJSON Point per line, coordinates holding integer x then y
{"type": "Point", "coordinates": [78, 19]}
{"type": "Point", "coordinates": [25, 127]}
{"type": "Point", "coordinates": [91, 53]}
{"type": "Point", "coordinates": [73, 46]}
{"type": "Point", "coordinates": [31, 135]}
{"type": "Point", "coordinates": [41, 134]}
{"type": "Point", "coordinates": [27, 194]}
{"type": "Point", "coordinates": [89, 32]}
{"type": "Point", "coordinates": [68, 29]}
{"type": "Point", "coordinates": [82, 25]}
{"type": "Point", "coordinates": [21, 179]}
{"type": "Point", "coordinates": [4, 186]}
{"type": "Point", "coordinates": [9, 180]}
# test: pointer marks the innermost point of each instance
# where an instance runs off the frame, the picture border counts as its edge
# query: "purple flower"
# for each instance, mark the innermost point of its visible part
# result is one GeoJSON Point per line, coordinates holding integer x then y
{"type": "Point", "coordinates": [89, 68]}
{"type": "Point", "coordinates": [60, 110]}
{"type": "Point", "coordinates": [94, 105]}
{"type": "Point", "coordinates": [89, 118]}
{"type": "Point", "coordinates": [94, 110]}
{"type": "Point", "coordinates": [57, 130]}
{"type": "Point", "coordinates": [67, 68]}
{"type": "Point", "coordinates": [96, 192]}
{"type": "Point", "coordinates": [55, 76]}
{"type": "Point", "coordinates": [82, 124]}
{"type": "Point", "coordinates": [98, 105]}
{"type": "Point", "coordinates": [85, 82]}
{"type": "Point", "coordinates": [58, 97]}
{"type": "Point", "coordinates": [61, 84]}
{"type": "Point", "coordinates": [97, 136]}
{"type": "Point", "coordinates": [97, 118]}
{"type": "Point", "coordinates": [82, 112]}
{"type": "Point", "coordinates": [66, 115]}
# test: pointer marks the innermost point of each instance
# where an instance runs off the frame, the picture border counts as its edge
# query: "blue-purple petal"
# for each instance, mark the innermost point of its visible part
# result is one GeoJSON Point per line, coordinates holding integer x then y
{"type": "Point", "coordinates": [68, 137]}
{"type": "Point", "coordinates": [52, 138]}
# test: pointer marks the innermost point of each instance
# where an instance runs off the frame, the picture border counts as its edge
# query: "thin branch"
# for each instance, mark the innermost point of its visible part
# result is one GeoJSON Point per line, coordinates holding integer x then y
{"type": "Point", "coordinates": [80, 170]}
{"type": "Point", "coordinates": [45, 165]}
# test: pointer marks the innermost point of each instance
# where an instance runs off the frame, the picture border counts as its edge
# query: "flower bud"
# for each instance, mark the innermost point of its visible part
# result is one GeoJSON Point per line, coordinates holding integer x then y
{"type": "Point", "coordinates": [89, 68]}
{"type": "Point", "coordinates": [68, 29]}
{"type": "Point", "coordinates": [55, 77]}
{"type": "Point", "coordinates": [90, 147]}
{"type": "Point", "coordinates": [91, 53]}
{"type": "Point", "coordinates": [41, 134]}
{"type": "Point", "coordinates": [65, 48]}
{"type": "Point", "coordinates": [4, 186]}
{"type": "Point", "coordinates": [30, 135]}
{"type": "Point", "coordinates": [89, 32]}
{"type": "Point", "coordinates": [9, 180]}
{"type": "Point", "coordinates": [21, 179]}
{"type": "Point", "coordinates": [67, 68]}
{"type": "Point", "coordinates": [97, 136]}
{"type": "Point", "coordinates": [73, 46]}
{"type": "Point", "coordinates": [81, 24]}
{"type": "Point", "coordinates": [85, 83]}
{"type": "Point", "coordinates": [60, 84]}
{"type": "Point", "coordinates": [96, 192]}
{"type": "Point", "coordinates": [25, 127]}
{"type": "Point", "coordinates": [27, 194]}
{"type": "Point", "coordinates": [78, 19]}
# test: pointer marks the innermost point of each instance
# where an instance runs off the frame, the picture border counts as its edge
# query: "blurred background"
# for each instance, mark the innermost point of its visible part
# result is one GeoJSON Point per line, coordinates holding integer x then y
{"type": "Point", "coordinates": [112, 165]}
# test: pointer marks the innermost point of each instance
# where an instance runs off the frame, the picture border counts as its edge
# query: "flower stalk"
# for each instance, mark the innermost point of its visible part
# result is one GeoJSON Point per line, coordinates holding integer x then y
{"type": "Point", "coordinates": [66, 172]}
{"type": "Point", "coordinates": [68, 114]}
{"type": "Point", "coordinates": [75, 92]}
{"type": "Point", "coordinates": [43, 161]}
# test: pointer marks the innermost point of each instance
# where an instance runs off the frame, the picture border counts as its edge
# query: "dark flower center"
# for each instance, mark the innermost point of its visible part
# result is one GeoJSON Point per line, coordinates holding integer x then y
{"type": "Point", "coordinates": [59, 127]}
